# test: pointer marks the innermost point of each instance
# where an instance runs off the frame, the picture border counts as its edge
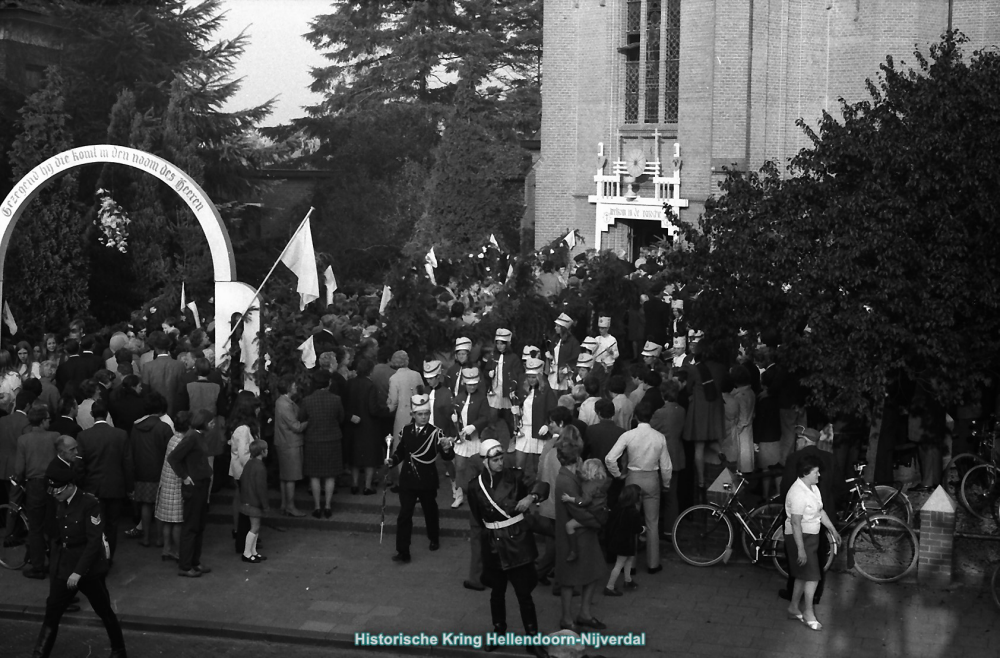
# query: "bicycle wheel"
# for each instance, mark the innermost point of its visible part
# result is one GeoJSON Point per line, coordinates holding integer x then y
{"type": "Point", "coordinates": [14, 547]}
{"type": "Point", "coordinates": [882, 549]}
{"type": "Point", "coordinates": [890, 501]}
{"type": "Point", "coordinates": [980, 490]}
{"type": "Point", "coordinates": [995, 585]}
{"type": "Point", "coordinates": [760, 519]}
{"type": "Point", "coordinates": [780, 560]}
{"type": "Point", "coordinates": [703, 535]}
{"type": "Point", "coordinates": [956, 469]}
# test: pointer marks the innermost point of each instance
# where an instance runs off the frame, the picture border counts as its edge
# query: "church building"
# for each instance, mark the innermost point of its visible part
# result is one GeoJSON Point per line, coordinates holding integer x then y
{"type": "Point", "coordinates": [646, 103]}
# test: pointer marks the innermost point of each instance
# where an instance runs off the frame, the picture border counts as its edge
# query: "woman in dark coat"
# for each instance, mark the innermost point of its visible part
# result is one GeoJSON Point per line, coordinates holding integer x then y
{"type": "Point", "coordinates": [590, 568]}
{"type": "Point", "coordinates": [366, 412]}
{"type": "Point", "coordinates": [322, 455]}
{"type": "Point", "coordinates": [706, 414]}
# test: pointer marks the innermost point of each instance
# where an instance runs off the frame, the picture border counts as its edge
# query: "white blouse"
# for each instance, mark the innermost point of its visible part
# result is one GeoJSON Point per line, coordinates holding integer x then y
{"type": "Point", "coordinates": [807, 501]}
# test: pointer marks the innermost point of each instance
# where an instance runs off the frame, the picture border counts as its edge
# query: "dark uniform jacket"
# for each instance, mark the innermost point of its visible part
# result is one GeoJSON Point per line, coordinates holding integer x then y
{"type": "Point", "coordinates": [480, 412]}
{"type": "Point", "coordinates": [102, 449]}
{"type": "Point", "coordinates": [513, 373]}
{"type": "Point", "coordinates": [418, 450]}
{"type": "Point", "coordinates": [542, 404]}
{"type": "Point", "coordinates": [80, 548]}
{"type": "Point", "coordinates": [514, 545]}
{"type": "Point", "coordinates": [444, 407]}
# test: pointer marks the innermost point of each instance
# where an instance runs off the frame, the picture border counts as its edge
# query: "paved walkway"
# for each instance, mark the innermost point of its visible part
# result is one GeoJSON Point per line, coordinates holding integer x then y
{"type": "Point", "coordinates": [325, 586]}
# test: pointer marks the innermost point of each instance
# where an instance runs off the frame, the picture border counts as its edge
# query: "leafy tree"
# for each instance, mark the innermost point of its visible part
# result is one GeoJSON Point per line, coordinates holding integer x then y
{"type": "Point", "coordinates": [879, 256]}
{"type": "Point", "coordinates": [45, 276]}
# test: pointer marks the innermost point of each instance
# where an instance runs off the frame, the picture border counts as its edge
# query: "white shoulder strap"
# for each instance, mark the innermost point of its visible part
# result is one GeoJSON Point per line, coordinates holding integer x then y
{"type": "Point", "coordinates": [490, 498]}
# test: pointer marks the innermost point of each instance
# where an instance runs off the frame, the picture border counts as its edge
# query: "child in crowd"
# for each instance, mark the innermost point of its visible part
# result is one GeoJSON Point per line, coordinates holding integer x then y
{"type": "Point", "coordinates": [624, 527]}
{"type": "Point", "coordinates": [253, 494]}
{"type": "Point", "coordinates": [594, 499]}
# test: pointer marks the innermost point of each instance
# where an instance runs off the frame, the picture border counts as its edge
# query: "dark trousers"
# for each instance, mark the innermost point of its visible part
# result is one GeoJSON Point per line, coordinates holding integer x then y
{"type": "Point", "coordinates": [523, 579]}
{"type": "Point", "coordinates": [96, 591]}
{"type": "Point", "coordinates": [35, 505]}
{"type": "Point", "coordinates": [404, 523]}
{"type": "Point", "coordinates": [547, 562]}
{"type": "Point", "coordinates": [195, 515]}
{"type": "Point", "coordinates": [821, 553]}
{"type": "Point", "coordinates": [111, 510]}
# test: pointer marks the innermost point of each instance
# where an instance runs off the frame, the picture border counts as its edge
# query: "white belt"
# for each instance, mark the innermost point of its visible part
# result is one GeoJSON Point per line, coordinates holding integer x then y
{"type": "Point", "coordinates": [503, 524]}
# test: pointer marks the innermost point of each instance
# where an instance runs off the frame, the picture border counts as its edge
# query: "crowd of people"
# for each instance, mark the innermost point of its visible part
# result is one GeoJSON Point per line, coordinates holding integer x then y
{"type": "Point", "coordinates": [594, 443]}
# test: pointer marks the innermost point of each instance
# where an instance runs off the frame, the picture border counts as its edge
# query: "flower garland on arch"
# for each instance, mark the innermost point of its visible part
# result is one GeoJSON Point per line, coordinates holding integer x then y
{"type": "Point", "coordinates": [112, 222]}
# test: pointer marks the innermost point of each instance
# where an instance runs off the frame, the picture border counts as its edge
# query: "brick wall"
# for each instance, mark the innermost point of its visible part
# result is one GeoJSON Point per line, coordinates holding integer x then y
{"type": "Point", "coordinates": [806, 54]}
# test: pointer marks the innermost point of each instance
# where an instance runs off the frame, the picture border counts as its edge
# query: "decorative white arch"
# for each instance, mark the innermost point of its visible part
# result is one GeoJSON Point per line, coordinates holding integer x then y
{"type": "Point", "coordinates": [230, 295]}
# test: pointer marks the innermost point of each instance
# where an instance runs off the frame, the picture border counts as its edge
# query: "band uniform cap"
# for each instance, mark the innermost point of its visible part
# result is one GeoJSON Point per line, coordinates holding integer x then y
{"type": "Point", "coordinates": [432, 369]}
{"type": "Point", "coordinates": [463, 344]}
{"type": "Point", "coordinates": [533, 366]}
{"type": "Point", "coordinates": [695, 336]}
{"type": "Point", "coordinates": [589, 343]}
{"type": "Point", "coordinates": [470, 375]}
{"type": "Point", "coordinates": [503, 334]}
{"type": "Point", "coordinates": [59, 473]}
{"type": "Point", "coordinates": [680, 342]}
{"type": "Point", "coordinates": [677, 303]}
{"type": "Point", "coordinates": [603, 321]}
{"type": "Point", "coordinates": [651, 349]}
{"type": "Point", "coordinates": [528, 351]}
{"type": "Point", "coordinates": [490, 446]}
{"type": "Point", "coordinates": [420, 402]}
{"type": "Point", "coordinates": [585, 361]}
{"type": "Point", "coordinates": [564, 321]}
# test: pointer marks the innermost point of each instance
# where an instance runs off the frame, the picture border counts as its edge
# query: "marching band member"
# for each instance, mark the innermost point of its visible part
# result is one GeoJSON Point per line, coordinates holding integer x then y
{"type": "Point", "coordinates": [538, 401]}
{"type": "Point", "coordinates": [471, 416]}
{"type": "Point", "coordinates": [498, 499]}
{"type": "Point", "coordinates": [419, 445]}
{"type": "Point", "coordinates": [563, 356]}
{"type": "Point", "coordinates": [453, 378]}
{"type": "Point", "coordinates": [607, 345]}
{"type": "Point", "coordinates": [442, 407]}
{"type": "Point", "coordinates": [504, 371]}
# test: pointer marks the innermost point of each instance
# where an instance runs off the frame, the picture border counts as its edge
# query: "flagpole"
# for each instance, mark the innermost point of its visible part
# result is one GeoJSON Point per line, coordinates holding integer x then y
{"type": "Point", "coordinates": [273, 267]}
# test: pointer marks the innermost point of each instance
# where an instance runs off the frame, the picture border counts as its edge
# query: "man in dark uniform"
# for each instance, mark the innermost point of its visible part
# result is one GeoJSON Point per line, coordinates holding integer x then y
{"type": "Point", "coordinates": [498, 498]}
{"type": "Point", "coordinates": [418, 449]}
{"type": "Point", "coordinates": [79, 561]}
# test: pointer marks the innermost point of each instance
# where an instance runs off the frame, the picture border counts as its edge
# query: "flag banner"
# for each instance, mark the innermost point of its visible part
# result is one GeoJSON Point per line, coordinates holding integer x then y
{"type": "Point", "coordinates": [194, 311]}
{"type": "Point", "coordinates": [300, 257]}
{"type": "Point", "coordinates": [570, 239]}
{"type": "Point", "coordinates": [331, 284]}
{"type": "Point", "coordinates": [386, 296]}
{"type": "Point", "coordinates": [493, 241]}
{"type": "Point", "coordinates": [308, 353]}
{"type": "Point", "coordinates": [183, 298]}
{"type": "Point", "coordinates": [8, 319]}
{"type": "Point", "coordinates": [430, 264]}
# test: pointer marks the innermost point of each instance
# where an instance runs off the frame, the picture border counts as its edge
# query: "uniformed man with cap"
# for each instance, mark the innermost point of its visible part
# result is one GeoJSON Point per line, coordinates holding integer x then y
{"type": "Point", "coordinates": [498, 499]}
{"type": "Point", "coordinates": [453, 377]}
{"type": "Point", "coordinates": [584, 367]}
{"type": "Point", "coordinates": [563, 356]}
{"type": "Point", "coordinates": [79, 560]}
{"type": "Point", "coordinates": [419, 446]}
{"type": "Point", "coordinates": [651, 355]}
{"type": "Point", "coordinates": [504, 371]}
{"type": "Point", "coordinates": [442, 407]}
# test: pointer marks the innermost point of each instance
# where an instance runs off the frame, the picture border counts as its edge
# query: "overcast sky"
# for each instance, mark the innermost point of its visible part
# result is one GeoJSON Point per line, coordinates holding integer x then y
{"type": "Point", "coordinates": [277, 59]}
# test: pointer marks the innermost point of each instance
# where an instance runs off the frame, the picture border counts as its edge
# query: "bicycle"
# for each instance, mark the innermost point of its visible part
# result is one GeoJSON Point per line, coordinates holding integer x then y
{"type": "Point", "coordinates": [973, 477]}
{"type": "Point", "coordinates": [882, 547]}
{"type": "Point", "coordinates": [14, 548]}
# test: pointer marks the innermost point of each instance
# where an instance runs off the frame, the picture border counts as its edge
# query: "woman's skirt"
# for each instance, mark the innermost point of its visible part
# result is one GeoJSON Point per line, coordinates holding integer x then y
{"type": "Point", "coordinates": [290, 463]}
{"type": "Point", "coordinates": [145, 492]}
{"type": "Point", "coordinates": [322, 459]}
{"type": "Point", "coordinates": [810, 570]}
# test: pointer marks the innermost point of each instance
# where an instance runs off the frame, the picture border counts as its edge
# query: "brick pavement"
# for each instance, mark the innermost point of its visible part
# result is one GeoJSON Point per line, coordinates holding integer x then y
{"type": "Point", "coordinates": [328, 585]}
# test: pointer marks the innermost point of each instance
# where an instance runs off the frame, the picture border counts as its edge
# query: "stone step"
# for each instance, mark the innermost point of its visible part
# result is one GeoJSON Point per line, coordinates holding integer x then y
{"type": "Point", "coordinates": [344, 501]}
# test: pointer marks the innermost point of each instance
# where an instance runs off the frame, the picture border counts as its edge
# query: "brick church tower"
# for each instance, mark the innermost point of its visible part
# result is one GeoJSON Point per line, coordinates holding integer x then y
{"type": "Point", "coordinates": [645, 101]}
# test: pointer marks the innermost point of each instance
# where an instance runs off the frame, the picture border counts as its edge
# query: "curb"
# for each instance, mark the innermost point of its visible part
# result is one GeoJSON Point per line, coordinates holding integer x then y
{"type": "Point", "coordinates": [333, 524]}
{"type": "Point", "coordinates": [238, 632]}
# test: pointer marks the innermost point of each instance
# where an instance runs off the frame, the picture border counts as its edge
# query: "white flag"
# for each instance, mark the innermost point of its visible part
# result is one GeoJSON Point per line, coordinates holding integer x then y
{"type": "Point", "coordinates": [570, 239]}
{"type": "Point", "coordinates": [300, 257]}
{"type": "Point", "coordinates": [331, 284]}
{"type": "Point", "coordinates": [493, 241]}
{"type": "Point", "coordinates": [430, 263]}
{"type": "Point", "coordinates": [183, 298]}
{"type": "Point", "coordinates": [308, 353]}
{"type": "Point", "coordinates": [386, 296]}
{"type": "Point", "coordinates": [194, 312]}
{"type": "Point", "coordinates": [8, 319]}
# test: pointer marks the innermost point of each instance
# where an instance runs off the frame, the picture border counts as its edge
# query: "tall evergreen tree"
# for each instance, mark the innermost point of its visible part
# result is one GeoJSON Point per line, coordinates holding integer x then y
{"type": "Point", "coordinates": [45, 274]}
